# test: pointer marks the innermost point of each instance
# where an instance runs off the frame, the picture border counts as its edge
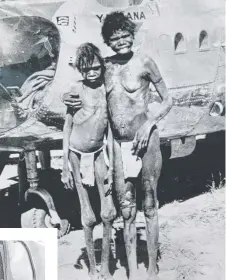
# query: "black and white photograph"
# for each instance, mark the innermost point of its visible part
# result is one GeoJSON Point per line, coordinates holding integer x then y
{"type": "Point", "coordinates": [112, 136]}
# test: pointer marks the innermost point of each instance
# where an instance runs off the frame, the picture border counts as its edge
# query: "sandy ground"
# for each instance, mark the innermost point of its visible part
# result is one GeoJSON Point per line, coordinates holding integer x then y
{"type": "Point", "coordinates": [191, 243]}
{"type": "Point", "coordinates": [191, 232]}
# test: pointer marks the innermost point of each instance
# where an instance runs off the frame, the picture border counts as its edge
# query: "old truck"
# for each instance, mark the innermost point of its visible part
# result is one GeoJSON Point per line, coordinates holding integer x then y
{"type": "Point", "coordinates": [37, 50]}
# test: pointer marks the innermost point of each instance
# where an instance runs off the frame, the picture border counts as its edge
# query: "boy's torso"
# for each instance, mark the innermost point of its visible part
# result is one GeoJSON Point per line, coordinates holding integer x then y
{"type": "Point", "coordinates": [127, 96]}
{"type": "Point", "coordinates": [89, 122]}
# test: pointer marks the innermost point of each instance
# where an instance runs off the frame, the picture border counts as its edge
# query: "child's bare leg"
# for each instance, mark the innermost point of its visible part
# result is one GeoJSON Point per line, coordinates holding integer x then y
{"type": "Point", "coordinates": [108, 214]}
{"type": "Point", "coordinates": [88, 217]}
{"type": "Point", "coordinates": [151, 168]}
{"type": "Point", "coordinates": [127, 200]}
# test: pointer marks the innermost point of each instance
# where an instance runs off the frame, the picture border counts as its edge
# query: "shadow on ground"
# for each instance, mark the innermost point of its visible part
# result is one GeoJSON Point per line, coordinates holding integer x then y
{"type": "Point", "coordinates": [187, 177]}
{"type": "Point", "coordinates": [117, 254]}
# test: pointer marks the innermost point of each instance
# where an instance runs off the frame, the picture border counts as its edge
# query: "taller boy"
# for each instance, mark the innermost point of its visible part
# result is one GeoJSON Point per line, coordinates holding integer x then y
{"type": "Point", "coordinates": [127, 79]}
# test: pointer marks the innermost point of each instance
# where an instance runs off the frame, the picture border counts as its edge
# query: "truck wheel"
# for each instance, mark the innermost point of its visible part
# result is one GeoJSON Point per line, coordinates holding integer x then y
{"type": "Point", "coordinates": [39, 218]}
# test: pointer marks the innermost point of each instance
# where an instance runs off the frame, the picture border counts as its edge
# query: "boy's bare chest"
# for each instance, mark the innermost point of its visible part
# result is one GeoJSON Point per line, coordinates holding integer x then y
{"type": "Point", "coordinates": [93, 98]}
{"type": "Point", "coordinates": [94, 106]}
{"type": "Point", "coordinates": [124, 77]}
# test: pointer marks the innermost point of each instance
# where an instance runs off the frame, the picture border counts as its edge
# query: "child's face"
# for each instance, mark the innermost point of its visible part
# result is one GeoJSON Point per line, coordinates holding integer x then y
{"type": "Point", "coordinates": [92, 73]}
{"type": "Point", "coordinates": [121, 42]}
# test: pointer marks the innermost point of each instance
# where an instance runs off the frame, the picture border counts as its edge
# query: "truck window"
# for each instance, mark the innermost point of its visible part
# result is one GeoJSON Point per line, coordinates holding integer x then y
{"type": "Point", "coordinates": [203, 41]}
{"type": "Point", "coordinates": [180, 44]}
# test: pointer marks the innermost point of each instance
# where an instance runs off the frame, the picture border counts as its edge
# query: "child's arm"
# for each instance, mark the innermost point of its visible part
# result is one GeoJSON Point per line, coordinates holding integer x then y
{"type": "Point", "coordinates": [66, 174]}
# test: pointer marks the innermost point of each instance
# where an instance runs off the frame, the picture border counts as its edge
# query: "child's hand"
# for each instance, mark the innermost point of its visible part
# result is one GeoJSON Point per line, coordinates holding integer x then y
{"type": "Point", "coordinates": [67, 179]}
{"type": "Point", "coordinates": [72, 100]}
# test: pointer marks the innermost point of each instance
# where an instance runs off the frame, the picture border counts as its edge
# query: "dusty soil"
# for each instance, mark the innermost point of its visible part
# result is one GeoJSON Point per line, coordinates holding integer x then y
{"type": "Point", "coordinates": [191, 223]}
{"type": "Point", "coordinates": [192, 243]}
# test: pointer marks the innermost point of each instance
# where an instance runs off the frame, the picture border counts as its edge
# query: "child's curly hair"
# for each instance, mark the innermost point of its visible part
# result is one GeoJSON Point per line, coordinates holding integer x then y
{"type": "Point", "coordinates": [116, 21]}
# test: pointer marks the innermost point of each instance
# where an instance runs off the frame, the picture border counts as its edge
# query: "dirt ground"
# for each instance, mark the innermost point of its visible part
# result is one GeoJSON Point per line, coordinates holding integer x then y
{"type": "Point", "coordinates": [191, 217]}
{"type": "Point", "coordinates": [191, 239]}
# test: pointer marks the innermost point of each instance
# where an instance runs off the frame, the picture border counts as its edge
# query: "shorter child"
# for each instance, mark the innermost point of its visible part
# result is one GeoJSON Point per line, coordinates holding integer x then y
{"type": "Point", "coordinates": [84, 132]}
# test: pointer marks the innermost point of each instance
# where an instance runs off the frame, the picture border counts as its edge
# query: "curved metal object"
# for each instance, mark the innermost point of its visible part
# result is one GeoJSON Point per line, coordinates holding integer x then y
{"type": "Point", "coordinates": [47, 198]}
{"type": "Point", "coordinates": [29, 254]}
{"type": "Point", "coordinates": [33, 179]}
{"type": "Point", "coordinates": [182, 147]}
{"type": "Point", "coordinates": [217, 109]}
{"type": "Point", "coordinates": [39, 216]}
{"type": "Point", "coordinates": [30, 259]}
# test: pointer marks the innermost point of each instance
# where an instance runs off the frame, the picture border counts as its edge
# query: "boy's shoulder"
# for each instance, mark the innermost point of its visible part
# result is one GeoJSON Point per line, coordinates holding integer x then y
{"type": "Point", "coordinates": [110, 62]}
{"type": "Point", "coordinates": [110, 59]}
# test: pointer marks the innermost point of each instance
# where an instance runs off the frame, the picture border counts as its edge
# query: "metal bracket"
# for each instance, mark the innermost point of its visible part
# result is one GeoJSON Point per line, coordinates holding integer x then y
{"type": "Point", "coordinates": [47, 198]}
{"type": "Point", "coordinates": [182, 147]}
